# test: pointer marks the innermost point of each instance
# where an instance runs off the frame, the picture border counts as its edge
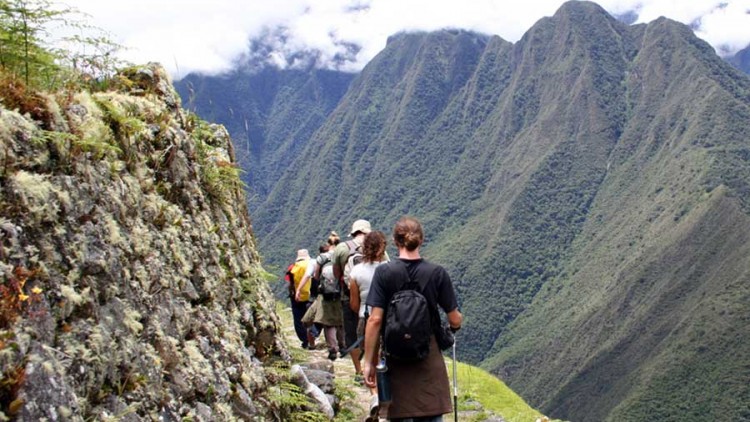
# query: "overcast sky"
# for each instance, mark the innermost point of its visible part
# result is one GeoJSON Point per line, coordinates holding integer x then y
{"type": "Point", "coordinates": [209, 35]}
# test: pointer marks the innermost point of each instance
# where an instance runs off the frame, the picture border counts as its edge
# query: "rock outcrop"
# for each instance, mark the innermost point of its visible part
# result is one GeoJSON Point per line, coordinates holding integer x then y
{"type": "Point", "coordinates": [131, 285]}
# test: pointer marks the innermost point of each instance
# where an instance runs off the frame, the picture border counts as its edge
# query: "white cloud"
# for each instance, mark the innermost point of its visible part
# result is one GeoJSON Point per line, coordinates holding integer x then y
{"type": "Point", "coordinates": [208, 36]}
{"type": "Point", "coordinates": [727, 28]}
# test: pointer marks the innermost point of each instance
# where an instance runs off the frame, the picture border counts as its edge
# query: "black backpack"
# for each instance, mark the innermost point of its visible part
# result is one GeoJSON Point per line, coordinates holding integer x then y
{"type": "Point", "coordinates": [406, 335]}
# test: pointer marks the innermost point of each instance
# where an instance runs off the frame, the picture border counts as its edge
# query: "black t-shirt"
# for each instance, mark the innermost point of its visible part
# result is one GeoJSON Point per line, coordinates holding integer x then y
{"type": "Point", "coordinates": [389, 278]}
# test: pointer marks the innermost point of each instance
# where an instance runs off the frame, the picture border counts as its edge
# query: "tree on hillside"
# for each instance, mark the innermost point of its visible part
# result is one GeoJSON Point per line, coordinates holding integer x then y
{"type": "Point", "coordinates": [28, 53]}
{"type": "Point", "coordinates": [22, 28]}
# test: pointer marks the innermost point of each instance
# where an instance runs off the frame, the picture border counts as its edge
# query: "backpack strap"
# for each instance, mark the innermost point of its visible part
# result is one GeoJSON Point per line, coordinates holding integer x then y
{"type": "Point", "coordinates": [409, 283]}
{"type": "Point", "coordinates": [321, 260]}
{"type": "Point", "coordinates": [354, 248]}
{"type": "Point", "coordinates": [434, 313]}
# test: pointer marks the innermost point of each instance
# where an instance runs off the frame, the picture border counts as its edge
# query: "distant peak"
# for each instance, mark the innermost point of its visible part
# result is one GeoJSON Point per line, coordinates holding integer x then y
{"type": "Point", "coordinates": [578, 7]}
{"type": "Point", "coordinates": [582, 14]}
{"type": "Point", "coordinates": [403, 35]}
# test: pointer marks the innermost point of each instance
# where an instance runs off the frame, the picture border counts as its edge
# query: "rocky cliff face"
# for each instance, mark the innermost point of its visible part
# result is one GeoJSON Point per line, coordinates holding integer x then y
{"type": "Point", "coordinates": [131, 284]}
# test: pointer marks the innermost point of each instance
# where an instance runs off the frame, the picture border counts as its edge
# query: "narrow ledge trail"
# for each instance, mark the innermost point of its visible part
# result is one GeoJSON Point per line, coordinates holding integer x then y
{"type": "Point", "coordinates": [357, 401]}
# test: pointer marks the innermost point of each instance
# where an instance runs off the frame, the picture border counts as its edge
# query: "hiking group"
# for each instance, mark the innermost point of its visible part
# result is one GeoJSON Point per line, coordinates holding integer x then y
{"type": "Point", "coordinates": [365, 303]}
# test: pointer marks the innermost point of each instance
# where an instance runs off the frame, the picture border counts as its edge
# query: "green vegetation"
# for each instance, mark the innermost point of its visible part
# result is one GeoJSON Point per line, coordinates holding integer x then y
{"type": "Point", "coordinates": [478, 386]}
{"type": "Point", "coordinates": [268, 113]}
{"type": "Point", "coordinates": [28, 54]}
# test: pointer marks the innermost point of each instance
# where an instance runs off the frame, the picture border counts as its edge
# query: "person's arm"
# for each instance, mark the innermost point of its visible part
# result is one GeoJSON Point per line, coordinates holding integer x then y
{"type": "Point", "coordinates": [318, 269]}
{"type": "Point", "coordinates": [338, 272]}
{"type": "Point", "coordinates": [336, 257]}
{"type": "Point", "coordinates": [372, 345]}
{"type": "Point", "coordinates": [353, 295]}
{"type": "Point", "coordinates": [447, 300]}
{"type": "Point", "coordinates": [305, 279]}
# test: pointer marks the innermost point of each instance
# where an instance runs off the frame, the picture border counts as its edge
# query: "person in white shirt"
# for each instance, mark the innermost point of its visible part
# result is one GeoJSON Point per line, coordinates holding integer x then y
{"type": "Point", "coordinates": [373, 251]}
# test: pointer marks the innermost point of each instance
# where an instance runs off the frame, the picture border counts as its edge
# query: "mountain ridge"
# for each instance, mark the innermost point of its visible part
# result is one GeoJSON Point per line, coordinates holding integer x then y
{"type": "Point", "coordinates": [564, 401]}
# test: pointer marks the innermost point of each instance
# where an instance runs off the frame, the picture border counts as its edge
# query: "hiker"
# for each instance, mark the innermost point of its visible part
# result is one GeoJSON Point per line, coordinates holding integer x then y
{"type": "Point", "coordinates": [373, 251]}
{"type": "Point", "coordinates": [344, 256]}
{"type": "Point", "coordinates": [300, 302]}
{"type": "Point", "coordinates": [327, 306]}
{"type": "Point", "coordinates": [419, 389]}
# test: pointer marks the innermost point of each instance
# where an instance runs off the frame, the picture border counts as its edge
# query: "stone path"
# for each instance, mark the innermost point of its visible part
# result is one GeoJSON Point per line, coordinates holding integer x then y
{"type": "Point", "coordinates": [356, 402]}
{"type": "Point", "coordinates": [357, 397]}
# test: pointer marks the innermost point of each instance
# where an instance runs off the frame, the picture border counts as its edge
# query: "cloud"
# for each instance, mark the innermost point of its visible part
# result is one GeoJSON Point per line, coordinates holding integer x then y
{"type": "Point", "coordinates": [727, 28]}
{"type": "Point", "coordinates": [723, 24]}
{"type": "Point", "coordinates": [211, 36]}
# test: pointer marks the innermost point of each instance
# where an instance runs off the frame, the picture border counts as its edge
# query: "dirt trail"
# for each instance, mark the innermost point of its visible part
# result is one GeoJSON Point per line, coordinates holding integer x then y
{"type": "Point", "coordinates": [358, 402]}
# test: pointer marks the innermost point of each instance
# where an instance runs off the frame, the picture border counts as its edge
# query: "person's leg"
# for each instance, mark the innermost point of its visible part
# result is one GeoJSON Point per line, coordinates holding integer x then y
{"type": "Point", "coordinates": [374, 409]}
{"type": "Point", "coordinates": [298, 311]}
{"type": "Point", "coordinates": [315, 330]}
{"type": "Point", "coordinates": [340, 337]}
{"type": "Point", "coordinates": [356, 354]}
{"type": "Point", "coordinates": [310, 339]}
{"type": "Point", "coordinates": [310, 332]}
{"type": "Point", "coordinates": [351, 319]}
{"type": "Point", "coordinates": [361, 335]}
{"type": "Point", "coordinates": [330, 335]}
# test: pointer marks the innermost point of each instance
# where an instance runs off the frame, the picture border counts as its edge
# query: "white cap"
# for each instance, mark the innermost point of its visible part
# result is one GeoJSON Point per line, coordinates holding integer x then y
{"type": "Point", "coordinates": [360, 226]}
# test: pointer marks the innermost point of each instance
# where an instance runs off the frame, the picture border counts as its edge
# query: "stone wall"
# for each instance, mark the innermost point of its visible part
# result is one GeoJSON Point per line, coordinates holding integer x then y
{"type": "Point", "coordinates": [131, 286]}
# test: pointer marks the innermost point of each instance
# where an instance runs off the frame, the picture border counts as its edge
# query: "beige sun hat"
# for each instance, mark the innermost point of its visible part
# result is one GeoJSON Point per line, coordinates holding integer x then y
{"type": "Point", "coordinates": [360, 226]}
{"type": "Point", "coordinates": [303, 254]}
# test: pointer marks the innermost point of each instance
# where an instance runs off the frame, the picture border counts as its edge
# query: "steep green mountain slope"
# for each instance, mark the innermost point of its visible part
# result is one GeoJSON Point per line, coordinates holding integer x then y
{"type": "Point", "coordinates": [370, 144]}
{"type": "Point", "coordinates": [649, 319]}
{"type": "Point", "coordinates": [587, 189]}
{"type": "Point", "coordinates": [741, 60]}
{"type": "Point", "coordinates": [269, 113]}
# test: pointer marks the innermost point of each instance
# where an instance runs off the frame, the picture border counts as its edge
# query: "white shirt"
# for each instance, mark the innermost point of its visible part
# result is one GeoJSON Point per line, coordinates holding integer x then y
{"type": "Point", "coordinates": [311, 264]}
{"type": "Point", "coordinates": [362, 274]}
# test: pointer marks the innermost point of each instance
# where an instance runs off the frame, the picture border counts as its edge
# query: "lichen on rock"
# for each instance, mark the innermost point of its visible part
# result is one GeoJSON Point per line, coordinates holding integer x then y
{"type": "Point", "coordinates": [131, 282]}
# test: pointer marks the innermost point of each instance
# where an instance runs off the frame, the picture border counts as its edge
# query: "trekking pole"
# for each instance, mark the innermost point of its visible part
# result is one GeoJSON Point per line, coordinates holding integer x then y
{"type": "Point", "coordinates": [455, 385]}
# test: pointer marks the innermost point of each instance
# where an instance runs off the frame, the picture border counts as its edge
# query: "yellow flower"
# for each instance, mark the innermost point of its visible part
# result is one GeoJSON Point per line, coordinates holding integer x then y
{"type": "Point", "coordinates": [23, 297]}
{"type": "Point", "coordinates": [36, 290]}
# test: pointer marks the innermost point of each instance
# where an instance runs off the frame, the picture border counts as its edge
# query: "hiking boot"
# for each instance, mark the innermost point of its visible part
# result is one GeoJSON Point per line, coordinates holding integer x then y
{"type": "Point", "coordinates": [332, 355]}
{"type": "Point", "coordinates": [359, 379]}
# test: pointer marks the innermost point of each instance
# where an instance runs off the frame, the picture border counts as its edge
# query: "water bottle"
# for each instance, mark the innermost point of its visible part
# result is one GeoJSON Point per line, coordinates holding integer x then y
{"type": "Point", "coordinates": [384, 386]}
